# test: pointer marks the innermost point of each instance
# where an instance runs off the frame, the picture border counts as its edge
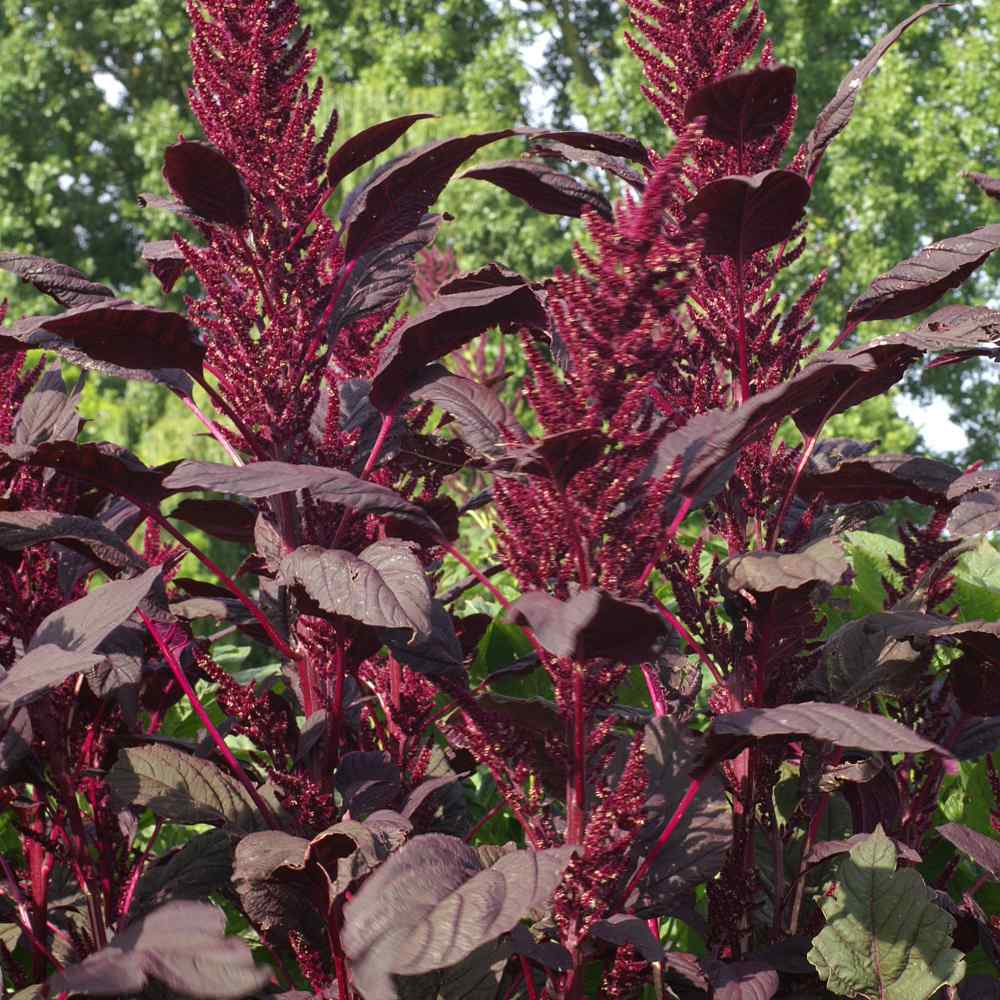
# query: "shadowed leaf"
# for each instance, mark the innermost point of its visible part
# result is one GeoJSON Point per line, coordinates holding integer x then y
{"type": "Point", "coordinates": [49, 412]}
{"type": "Point", "coordinates": [451, 320]}
{"type": "Point", "coordinates": [406, 918]}
{"type": "Point", "coordinates": [267, 479]}
{"type": "Point", "coordinates": [622, 929]}
{"type": "Point", "coordinates": [37, 672]}
{"type": "Point", "coordinates": [165, 261]}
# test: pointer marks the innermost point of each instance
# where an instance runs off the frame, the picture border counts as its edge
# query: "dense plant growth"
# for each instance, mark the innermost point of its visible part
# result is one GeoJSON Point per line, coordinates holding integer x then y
{"type": "Point", "coordinates": [717, 721]}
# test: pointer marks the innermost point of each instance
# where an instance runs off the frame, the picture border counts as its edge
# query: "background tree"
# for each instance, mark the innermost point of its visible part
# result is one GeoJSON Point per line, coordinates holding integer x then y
{"type": "Point", "coordinates": [72, 70]}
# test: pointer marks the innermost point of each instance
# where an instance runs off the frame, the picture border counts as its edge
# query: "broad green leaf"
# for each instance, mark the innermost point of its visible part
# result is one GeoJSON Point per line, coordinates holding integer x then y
{"type": "Point", "coordinates": [182, 789]}
{"type": "Point", "coordinates": [884, 938]}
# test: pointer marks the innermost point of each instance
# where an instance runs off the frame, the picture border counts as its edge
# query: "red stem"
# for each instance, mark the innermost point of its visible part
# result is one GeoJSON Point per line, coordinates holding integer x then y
{"type": "Point", "coordinates": [672, 530]}
{"type": "Point", "coordinates": [383, 436]}
{"type": "Point", "coordinates": [484, 580]}
{"type": "Point", "coordinates": [529, 980]}
{"type": "Point", "coordinates": [220, 403]}
{"type": "Point", "coordinates": [470, 836]}
{"type": "Point", "coordinates": [212, 428]}
{"type": "Point", "coordinates": [661, 842]}
{"type": "Point", "coordinates": [743, 385]}
{"type": "Point", "coordinates": [223, 578]}
{"type": "Point", "coordinates": [199, 710]}
{"type": "Point", "coordinates": [576, 780]}
{"type": "Point", "coordinates": [678, 626]}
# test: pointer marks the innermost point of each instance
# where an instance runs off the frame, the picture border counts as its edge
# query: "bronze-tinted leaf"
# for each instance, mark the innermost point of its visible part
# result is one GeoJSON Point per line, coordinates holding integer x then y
{"type": "Point", "coordinates": [822, 561]}
{"type": "Point", "coordinates": [201, 176]}
{"type": "Point", "coordinates": [918, 283]}
{"type": "Point", "coordinates": [609, 143]}
{"type": "Point", "coordinates": [544, 189]}
{"type": "Point", "coordinates": [744, 107]}
{"type": "Point", "coordinates": [746, 214]}
{"type": "Point", "coordinates": [49, 412]}
{"type": "Point", "coordinates": [61, 282]}
{"type": "Point", "coordinates": [226, 519]}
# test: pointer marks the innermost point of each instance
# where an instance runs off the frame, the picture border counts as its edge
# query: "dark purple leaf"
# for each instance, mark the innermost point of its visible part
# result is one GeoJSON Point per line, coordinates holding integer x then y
{"type": "Point", "coordinates": [15, 743]}
{"type": "Point", "coordinates": [831, 848]}
{"type": "Point", "coordinates": [688, 967]}
{"type": "Point", "coordinates": [278, 889]}
{"type": "Point", "coordinates": [704, 450]}
{"type": "Point", "coordinates": [182, 944]}
{"type": "Point", "coordinates": [880, 477]}
{"type": "Point", "coordinates": [988, 185]}
{"type": "Point", "coordinates": [363, 147]}
{"type": "Point", "coordinates": [106, 465]}
{"type": "Point", "coordinates": [547, 954]}
{"type": "Point", "coordinates": [544, 189]}
{"type": "Point", "coordinates": [42, 668]}
{"type": "Point", "coordinates": [558, 457]}
{"type": "Point", "coordinates": [478, 413]}
{"type": "Point", "coordinates": [492, 275]}
{"type": "Point", "coordinates": [33, 527]}
{"type": "Point", "coordinates": [61, 282]}
{"type": "Point", "coordinates": [380, 278]}
{"type": "Point", "coordinates": [981, 987]}
{"type": "Point", "coordinates": [746, 214]}
{"type": "Point", "coordinates": [393, 202]}
{"type": "Point", "coordinates": [181, 788]}
{"type": "Point", "coordinates": [438, 652]}
{"type": "Point", "coordinates": [589, 625]}
{"type": "Point", "coordinates": [431, 904]}
{"type": "Point", "coordinates": [874, 802]}
{"type": "Point", "coordinates": [166, 262]}
{"type": "Point", "coordinates": [920, 281]}
{"type": "Point", "coordinates": [367, 781]}
{"type": "Point", "coordinates": [624, 930]}
{"type": "Point", "coordinates": [610, 143]}
{"type": "Point", "coordinates": [616, 165]}
{"type": "Point", "coordinates": [834, 117]}
{"type": "Point", "coordinates": [985, 851]}
{"type": "Point", "coordinates": [698, 846]}
{"type": "Point", "coordinates": [385, 586]}
{"type": "Point", "coordinates": [203, 865]}
{"type": "Point", "coordinates": [979, 736]}
{"type": "Point", "coordinates": [744, 107]}
{"type": "Point", "coordinates": [424, 792]}
{"type": "Point", "coordinates": [267, 479]}
{"type": "Point", "coordinates": [976, 514]}
{"type": "Point", "coordinates": [225, 519]}
{"type": "Point", "coordinates": [822, 561]}
{"type": "Point", "coordinates": [203, 179]}
{"type": "Point", "coordinates": [84, 624]}
{"type": "Point", "coordinates": [49, 412]}
{"type": "Point", "coordinates": [741, 980]}
{"type": "Point", "coordinates": [837, 724]}
{"type": "Point", "coordinates": [119, 333]}
{"type": "Point", "coordinates": [449, 322]}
